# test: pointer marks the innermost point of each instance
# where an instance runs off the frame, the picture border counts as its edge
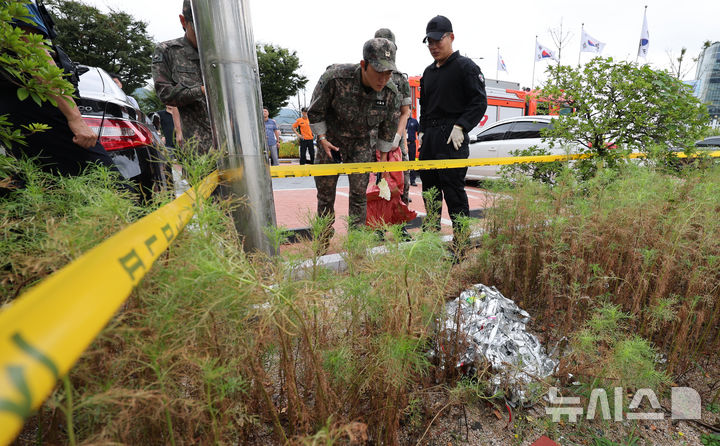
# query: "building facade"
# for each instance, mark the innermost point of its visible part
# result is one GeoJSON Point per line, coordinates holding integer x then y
{"type": "Point", "coordinates": [707, 85]}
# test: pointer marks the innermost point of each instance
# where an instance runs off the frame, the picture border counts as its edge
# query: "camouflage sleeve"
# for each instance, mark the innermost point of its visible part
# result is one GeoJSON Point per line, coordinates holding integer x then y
{"type": "Point", "coordinates": [388, 127]}
{"type": "Point", "coordinates": [320, 103]}
{"type": "Point", "coordinates": [404, 88]}
{"type": "Point", "coordinates": [169, 92]}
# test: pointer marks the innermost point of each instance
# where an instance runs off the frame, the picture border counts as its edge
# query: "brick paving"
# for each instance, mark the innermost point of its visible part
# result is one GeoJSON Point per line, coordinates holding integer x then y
{"type": "Point", "coordinates": [294, 207]}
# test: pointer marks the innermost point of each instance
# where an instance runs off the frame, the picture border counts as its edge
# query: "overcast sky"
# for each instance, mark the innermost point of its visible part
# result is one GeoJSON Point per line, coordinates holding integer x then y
{"type": "Point", "coordinates": [333, 31]}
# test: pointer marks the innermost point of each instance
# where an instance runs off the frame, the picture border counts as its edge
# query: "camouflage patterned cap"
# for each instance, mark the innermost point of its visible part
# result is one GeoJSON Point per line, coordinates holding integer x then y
{"type": "Point", "coordinates": [385, 33]}
{"type": "Point", "coordinates": [380, 53]}
{"type": "Point", "coordinates": [187, 10]}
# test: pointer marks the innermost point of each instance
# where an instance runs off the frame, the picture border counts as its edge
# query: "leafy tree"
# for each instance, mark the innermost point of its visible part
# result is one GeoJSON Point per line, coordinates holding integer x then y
{"type": "Point", "coordinates": [623, 105]}
{"type": "Point", "coordinates": [23, 61]}
{"type": "Point", "coordinates": [115, 41]}
{"type": "Point", "coordinates": [619, 107]}
{"type": "Point", "coordinates": [150, 102]}
{"type": "Point", "coordinates": [278, 77]}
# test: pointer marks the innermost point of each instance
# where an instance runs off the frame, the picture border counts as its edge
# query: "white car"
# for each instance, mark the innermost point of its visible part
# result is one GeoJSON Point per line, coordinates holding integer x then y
{"type": "Point", "coordinates": [498, 139]}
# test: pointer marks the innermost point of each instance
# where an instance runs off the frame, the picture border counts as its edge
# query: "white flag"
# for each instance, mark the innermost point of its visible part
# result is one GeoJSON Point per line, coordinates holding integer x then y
{"type": "Point", "coordinates": [501, 64]}
{"type": "Point", "coordinates": [542, 52]}
{"type": "Point", "coordinates": [590, 44]}
{"type": "Point", "coordinates": [644, 39]}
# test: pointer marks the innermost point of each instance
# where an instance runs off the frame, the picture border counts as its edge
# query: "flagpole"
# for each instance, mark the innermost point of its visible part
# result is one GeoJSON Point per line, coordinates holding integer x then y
{"type": "Point", "coordinates": [582, 29]}
{"type": "Point", "coordinates": [497, 62]}
{"type": "Point", "coordinates": [532, 83]}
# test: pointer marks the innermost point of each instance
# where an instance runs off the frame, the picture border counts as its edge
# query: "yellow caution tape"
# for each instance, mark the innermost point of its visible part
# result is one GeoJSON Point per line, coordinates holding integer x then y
{"type": "Point", "coordinates": [44, 331]}
{"type": "Point", "coordinates": [314, 170]}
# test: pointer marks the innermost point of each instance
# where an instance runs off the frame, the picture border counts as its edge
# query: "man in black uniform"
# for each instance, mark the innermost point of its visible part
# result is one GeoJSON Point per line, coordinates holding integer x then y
{"type": "Point", "coordinates": [452, 101]}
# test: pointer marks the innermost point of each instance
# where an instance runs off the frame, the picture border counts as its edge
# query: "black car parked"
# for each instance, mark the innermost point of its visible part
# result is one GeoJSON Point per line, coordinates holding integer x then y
{"type": "Point", "coordinates": [127, 135]}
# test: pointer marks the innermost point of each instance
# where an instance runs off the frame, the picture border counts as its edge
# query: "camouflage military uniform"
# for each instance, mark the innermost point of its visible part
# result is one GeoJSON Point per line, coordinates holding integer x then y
{"type": "Point", "coordinates": [177, 76]}
{"type": "Point", "coordinates": [357, 120]}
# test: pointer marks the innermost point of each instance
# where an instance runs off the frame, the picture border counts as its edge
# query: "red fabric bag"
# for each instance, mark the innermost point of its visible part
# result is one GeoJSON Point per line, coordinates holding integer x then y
{"type": "Point", "coordinates": [382, 212]}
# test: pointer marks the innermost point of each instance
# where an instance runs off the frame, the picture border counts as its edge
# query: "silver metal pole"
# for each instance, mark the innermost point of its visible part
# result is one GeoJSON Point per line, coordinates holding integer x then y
{"type": "Point", "coordinates": [232, 83]}
{"type": "Point", "coordinates": [532, 83]}
{"type": "Point", "coordinates": [582, 42]}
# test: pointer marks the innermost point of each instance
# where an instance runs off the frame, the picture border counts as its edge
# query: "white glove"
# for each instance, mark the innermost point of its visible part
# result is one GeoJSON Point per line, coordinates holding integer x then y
{"type": "Point", "coordinates": [384, 189]}
{"type": "Point", "coordinates": [419, 138]}
{"type": "Point", "coordinates": [396, 140]}
{"type": "Point", "coordinates": [456, 136]}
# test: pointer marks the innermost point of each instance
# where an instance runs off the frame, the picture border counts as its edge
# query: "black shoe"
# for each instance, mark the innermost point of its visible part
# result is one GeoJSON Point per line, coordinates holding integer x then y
{"type": "Point", "coordinates": [380, 235]}
{"type": "Point", "coordinates": [404, 235]}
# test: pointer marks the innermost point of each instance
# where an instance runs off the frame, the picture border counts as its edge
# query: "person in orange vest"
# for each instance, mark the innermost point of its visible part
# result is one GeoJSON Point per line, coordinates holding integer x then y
{"type": "Point", "coordinates": [306, 137]}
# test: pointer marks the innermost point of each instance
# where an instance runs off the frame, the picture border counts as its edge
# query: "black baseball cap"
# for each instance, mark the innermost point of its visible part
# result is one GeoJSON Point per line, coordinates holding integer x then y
{"type": "Point", "coordinates": [437, 27]}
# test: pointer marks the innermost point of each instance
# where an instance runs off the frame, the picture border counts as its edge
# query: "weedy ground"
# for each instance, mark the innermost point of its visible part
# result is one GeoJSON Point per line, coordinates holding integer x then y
{"type": "Point", "coordinates": [219, 347]}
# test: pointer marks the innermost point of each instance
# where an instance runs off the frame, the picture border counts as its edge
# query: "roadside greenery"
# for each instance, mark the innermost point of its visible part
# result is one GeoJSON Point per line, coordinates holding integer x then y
{"type": "Point", "coordinates": [289, 149]}
{"type": "Point", "coordinates": [624, 105]}
{"type": "Point", "coordinates": [150, 102]}
{"type": "Point", "coordinates": [619, 107]}
{"type": "Point", "coordinates": [279, 77]}
{"type": "Point", "coordinates": [637, 238]}
{"type": "Point", "coordinates": [218, 346]}
{"type": "Point", "coordinates": [115, 42]}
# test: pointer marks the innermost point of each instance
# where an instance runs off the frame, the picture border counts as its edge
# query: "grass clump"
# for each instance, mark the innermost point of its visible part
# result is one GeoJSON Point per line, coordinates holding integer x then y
{"type": "Point", "coordinates": [46, 221]}
{"type": "Point", "coordinates": [608, 355]}
{"type": "Point", "coordinates": [217, 346]}
{"type": "Point", "coordinates": [639, 239]}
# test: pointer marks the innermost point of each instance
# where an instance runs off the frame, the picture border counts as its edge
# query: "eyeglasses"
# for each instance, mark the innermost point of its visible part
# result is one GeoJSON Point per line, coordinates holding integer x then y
{"type": "Point", "coordinates": [432, 42]}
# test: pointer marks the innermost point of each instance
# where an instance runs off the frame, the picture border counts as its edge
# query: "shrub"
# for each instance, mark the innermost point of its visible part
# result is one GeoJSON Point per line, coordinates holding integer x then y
{"type": "Point", "coordinates": [289, 149]}
{"type": "Point", "coordinates": [640, 239]}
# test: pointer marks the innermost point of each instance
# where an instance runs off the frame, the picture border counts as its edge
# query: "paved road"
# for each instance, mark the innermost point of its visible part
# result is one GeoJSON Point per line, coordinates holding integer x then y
{"type": "Point", "coordinates": [302, 183]}
{"type": "Point", "coordinates": [296, 202]}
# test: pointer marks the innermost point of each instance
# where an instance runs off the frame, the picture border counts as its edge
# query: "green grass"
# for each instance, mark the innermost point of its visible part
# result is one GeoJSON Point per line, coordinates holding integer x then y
{"type": "Point", "coordinates": [289, 149]}
{"type": "Point", "coordinates": [217, 346]}
{"type": "Point", "coordinates": [640, 240]}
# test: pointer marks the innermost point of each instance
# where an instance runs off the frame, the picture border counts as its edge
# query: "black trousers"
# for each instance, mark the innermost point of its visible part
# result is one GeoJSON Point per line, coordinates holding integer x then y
{"type": "Point", "coordinates": [306, 145]}
{"type": "Point", "coordinates": [449, 183]}
{"type": "Point", "coordinates": [54, 149]}
{"type": "Point", "coordinates": [412, 148]}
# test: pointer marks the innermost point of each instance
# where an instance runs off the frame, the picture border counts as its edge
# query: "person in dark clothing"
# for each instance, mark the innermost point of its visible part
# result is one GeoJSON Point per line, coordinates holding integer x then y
{"type": "Point", "coordinates": [70, 144]}
{"type": "Point", "coordinates": [453, 100]}
{"type": "Point", "coordinates": [167, 126]}
{"type": "Point", "coordinates": [412, 129]}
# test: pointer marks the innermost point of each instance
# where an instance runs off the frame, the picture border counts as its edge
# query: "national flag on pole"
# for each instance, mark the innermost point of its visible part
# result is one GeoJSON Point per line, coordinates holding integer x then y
{"type": "Point", "coordinates": [501, 64]}
{"type": "Point", "coordinates": [590, 44]}
{"type": "Point", "coordinates": [542, 52]}
{"type": "Point", "coordinates": [644, 39]}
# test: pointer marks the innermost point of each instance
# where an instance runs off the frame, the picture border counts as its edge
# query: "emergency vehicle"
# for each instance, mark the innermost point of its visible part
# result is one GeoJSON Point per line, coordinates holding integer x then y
{"type": "Point", "coordinates": [503, 102]}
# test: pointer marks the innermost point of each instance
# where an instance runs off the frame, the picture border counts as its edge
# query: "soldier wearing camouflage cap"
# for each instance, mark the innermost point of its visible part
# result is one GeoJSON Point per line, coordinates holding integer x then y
{"type": "Point", "coordinates": [178, 82]}
{"type": "Point", "coordinates": [354, 111]}
{"type": "Point", "coordinates": [403, 86]}
{"type": "Point", "coordinates": [400, 82]}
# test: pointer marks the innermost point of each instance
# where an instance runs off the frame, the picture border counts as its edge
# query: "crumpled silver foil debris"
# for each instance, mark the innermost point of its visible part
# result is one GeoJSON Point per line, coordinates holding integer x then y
{"type": "Point", "coordinates": [495, 331]}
